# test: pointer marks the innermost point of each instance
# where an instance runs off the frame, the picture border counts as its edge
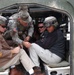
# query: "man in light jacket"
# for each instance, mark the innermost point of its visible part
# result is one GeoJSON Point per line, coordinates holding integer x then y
{"type": "Point", "coordinates": [13, 56]}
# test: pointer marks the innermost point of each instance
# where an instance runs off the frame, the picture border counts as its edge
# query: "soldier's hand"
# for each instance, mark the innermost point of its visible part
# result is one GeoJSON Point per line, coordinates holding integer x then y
{"type": "Point", "coordinates": [27, 39]}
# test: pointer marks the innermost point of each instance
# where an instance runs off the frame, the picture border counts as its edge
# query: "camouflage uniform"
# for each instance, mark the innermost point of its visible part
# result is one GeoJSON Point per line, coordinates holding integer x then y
{"type": "Point", "coordinates": [21, 30]}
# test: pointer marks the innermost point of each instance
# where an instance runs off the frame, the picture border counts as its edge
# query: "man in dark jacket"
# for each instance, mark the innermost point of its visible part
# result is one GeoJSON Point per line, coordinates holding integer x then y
{"type": "Point", "coordinates": [50, 48]}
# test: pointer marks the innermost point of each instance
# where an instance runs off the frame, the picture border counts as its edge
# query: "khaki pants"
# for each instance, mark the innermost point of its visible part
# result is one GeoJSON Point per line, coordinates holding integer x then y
{"type": "Point", "coordinates": [45, 55]}
{"type": "Point", "coordinates": [20, 57]}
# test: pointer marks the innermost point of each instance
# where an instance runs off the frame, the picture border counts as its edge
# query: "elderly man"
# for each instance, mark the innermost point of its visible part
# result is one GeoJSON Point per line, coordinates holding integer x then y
{"type": "Point", "coordinates": [50, 48]}
{"type": "Point", "coordinates": [13, 56]}
{"type": "Point", "coordinates": [21, 26]}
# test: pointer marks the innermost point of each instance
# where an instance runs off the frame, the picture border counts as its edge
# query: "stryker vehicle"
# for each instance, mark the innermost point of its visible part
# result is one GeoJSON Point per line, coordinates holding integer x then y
{"type": "Point", "coordinates": [63, 10]}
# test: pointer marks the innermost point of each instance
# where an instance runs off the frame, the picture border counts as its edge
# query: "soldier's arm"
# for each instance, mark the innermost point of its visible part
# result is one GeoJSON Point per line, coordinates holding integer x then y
{"type": "Point", "coordinates": [13, 31]}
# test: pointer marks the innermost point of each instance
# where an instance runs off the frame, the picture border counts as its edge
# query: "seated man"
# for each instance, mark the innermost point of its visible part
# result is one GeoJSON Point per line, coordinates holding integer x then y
{"type": "Point", "coordinates": [49, 48]}
{"type": "Point", "coordinates": [41, 29]}
{"type": "Point", "coordinates": [13, 56]}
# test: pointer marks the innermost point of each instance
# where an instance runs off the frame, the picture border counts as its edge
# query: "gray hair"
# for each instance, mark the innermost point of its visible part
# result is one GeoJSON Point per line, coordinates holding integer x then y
{"type": "Point", "coordinates": [2, 20]}
{"type": "Point", "coordinates": [51, 20]}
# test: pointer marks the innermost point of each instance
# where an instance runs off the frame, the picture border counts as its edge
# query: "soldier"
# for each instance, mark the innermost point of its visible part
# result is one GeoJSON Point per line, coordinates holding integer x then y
{"type": "Point", "coordinates": [21, 24]}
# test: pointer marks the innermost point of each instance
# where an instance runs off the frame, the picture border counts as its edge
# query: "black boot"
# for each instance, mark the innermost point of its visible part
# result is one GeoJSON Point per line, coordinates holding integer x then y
{"type": "Point", "coordinates": [37, 71]}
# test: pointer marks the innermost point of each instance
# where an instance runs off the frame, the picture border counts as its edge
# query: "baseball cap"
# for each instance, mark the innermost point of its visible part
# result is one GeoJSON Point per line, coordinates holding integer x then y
{"type": "Point", "coordinates": [50, 21]}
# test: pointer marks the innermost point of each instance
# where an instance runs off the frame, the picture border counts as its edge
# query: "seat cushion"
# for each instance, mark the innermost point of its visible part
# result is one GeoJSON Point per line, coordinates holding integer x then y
{"type": "Point", "coordinates": [61, 64]}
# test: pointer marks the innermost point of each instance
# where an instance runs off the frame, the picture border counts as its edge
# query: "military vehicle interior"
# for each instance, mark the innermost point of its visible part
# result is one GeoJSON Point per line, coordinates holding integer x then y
{"type": "Point", "coordinates": [38, 14]}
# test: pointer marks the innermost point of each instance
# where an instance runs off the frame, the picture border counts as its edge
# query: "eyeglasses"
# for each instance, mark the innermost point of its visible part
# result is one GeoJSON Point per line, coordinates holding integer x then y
{"type": "Point", "coordinates": [40, 26]}
{"type": "Point", "coordinates": [2, 25]}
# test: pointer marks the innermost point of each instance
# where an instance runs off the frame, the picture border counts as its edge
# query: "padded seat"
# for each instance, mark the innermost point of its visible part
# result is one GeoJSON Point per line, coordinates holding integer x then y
{"type": "Point", "coordinates": [61, 64]}
{"type": "Point", "coordinates": [61, 68]}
